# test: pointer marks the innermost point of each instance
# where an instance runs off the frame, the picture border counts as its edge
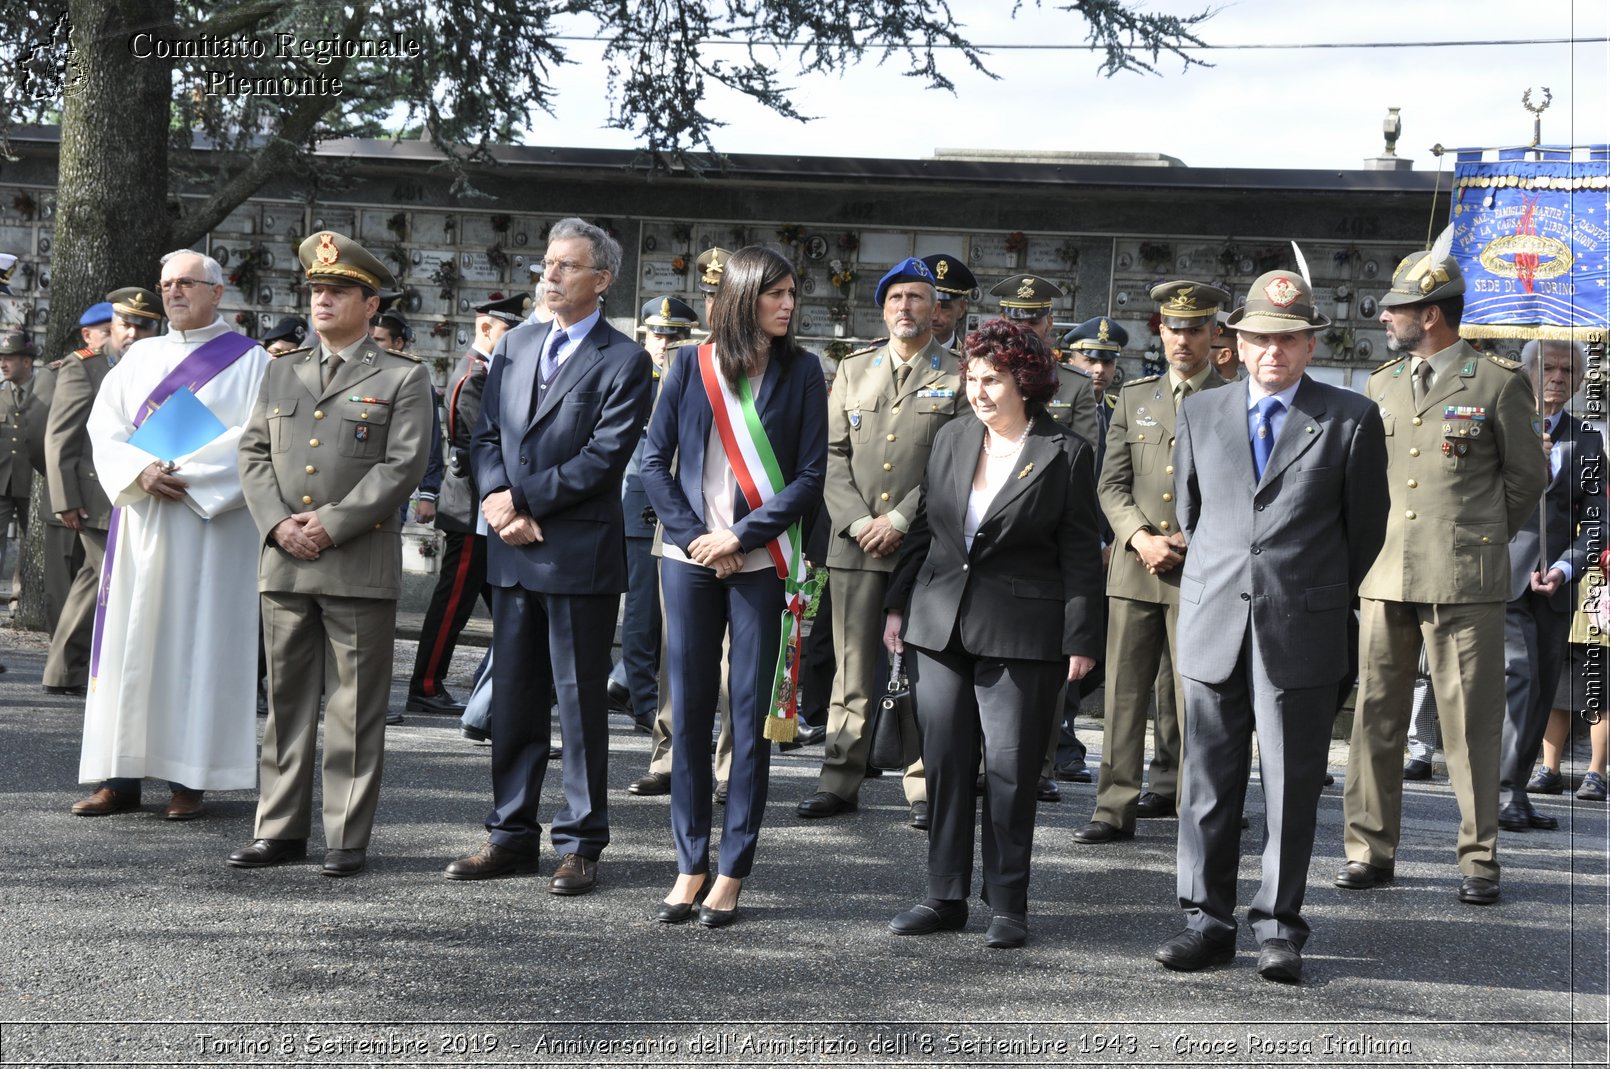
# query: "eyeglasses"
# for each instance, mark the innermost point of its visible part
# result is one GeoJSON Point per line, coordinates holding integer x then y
{"type": "Point", "coordinates": [168, 285]}
{"type": "Point", "coordinates": [564, 267]}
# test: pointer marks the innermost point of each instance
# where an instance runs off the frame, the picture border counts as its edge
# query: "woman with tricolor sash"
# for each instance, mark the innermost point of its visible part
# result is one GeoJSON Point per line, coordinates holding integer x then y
{"type": "Point", "coordinates": [737, 451]}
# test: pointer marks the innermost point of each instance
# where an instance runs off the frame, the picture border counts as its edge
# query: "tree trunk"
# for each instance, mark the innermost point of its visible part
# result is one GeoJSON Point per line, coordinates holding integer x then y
{"type": "Point", "coordinates": [31, 553]}
{"type": "Point", "coordinates": [112, 219]}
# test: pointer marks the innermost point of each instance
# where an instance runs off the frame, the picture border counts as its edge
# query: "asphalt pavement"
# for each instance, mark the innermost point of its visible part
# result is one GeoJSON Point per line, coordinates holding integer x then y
{"type": "Point", "coordinates": [127, 940]}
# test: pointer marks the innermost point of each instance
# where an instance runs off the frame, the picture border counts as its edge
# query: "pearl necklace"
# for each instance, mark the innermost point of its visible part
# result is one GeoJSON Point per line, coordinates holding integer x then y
{"type": "Point", "coordinates": [1016, 446]}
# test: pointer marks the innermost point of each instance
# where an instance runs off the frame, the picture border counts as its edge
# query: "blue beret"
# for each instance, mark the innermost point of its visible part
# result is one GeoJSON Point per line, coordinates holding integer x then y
{"type": "Point", "coordinates": [96, 315]}
{"type": "Point", "coordinates": [910, 269]}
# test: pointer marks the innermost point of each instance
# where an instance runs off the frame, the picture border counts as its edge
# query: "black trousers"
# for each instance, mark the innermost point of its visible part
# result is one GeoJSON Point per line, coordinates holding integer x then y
{"type": "Point", "coordinates": [460, 581]}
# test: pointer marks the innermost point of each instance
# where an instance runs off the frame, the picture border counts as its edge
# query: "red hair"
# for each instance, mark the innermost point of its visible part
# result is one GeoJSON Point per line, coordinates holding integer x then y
{"type": "Point", "coordinates": [1016, 351]}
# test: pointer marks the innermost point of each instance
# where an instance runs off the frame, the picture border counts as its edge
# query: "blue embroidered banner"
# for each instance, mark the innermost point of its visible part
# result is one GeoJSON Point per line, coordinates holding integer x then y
{"type": "Point", "coordinates": [1533, 240]}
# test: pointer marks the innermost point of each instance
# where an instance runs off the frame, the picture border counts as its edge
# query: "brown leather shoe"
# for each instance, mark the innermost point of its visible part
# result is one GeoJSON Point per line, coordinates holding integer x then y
{"type": "Point", "coordinates": [576, 875]}
{"type": "Point", "coordinates": [489, 861]}
{"type": "Point", "coordinates": [104, 802]}
{"type": "Point", "coordinates": [184, 805]}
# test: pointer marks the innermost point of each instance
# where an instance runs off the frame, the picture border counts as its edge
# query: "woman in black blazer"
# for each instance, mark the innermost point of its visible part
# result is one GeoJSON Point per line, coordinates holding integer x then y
{"type": "Point", "coordinates": [717, 573]}
{"type": "Point", "coordinates": [998, 596]}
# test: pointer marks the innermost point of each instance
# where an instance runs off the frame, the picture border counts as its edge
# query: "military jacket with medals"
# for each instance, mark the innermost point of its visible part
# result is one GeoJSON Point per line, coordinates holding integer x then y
{"type": "Point", "coordinates": [878, 439]}
{"type": "Point", "coordinates": [352, 452]}
{"type": "Point", "coordinates": [1074, 403]}
{"type": "Point", "coordinates": [1465, 470]}
{"type": "Point", "coordinates": [1136, 485]}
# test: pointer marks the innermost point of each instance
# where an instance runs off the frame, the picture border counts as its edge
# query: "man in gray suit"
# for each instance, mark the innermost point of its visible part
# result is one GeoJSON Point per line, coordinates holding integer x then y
{"type": "Point", "coordinates": [1278, 484]}
{"type": "Point", "coordinates": [1538, 617]}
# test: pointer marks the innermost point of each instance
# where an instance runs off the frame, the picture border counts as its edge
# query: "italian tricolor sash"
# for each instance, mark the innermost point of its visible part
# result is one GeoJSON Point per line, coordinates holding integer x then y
{"type": "Point", "coordinates": [760, 478]}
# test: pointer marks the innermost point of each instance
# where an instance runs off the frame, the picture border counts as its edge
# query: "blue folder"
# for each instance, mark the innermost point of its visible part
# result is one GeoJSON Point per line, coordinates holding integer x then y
{"type": "Point", "coordinates": [178, 428]}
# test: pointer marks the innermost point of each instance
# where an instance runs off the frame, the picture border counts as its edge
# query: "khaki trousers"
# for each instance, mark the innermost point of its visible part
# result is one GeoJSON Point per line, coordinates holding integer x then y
{"type": "Point", "coordinates": [857, 639]}
{"type": "Point", "coordinates": [1464, 646]}
{"type": "Point", "coordinates": [1140, 635]}
{"type": "Point", "coordinates": [305, 634]}
{"type": "Point", "coordinates": [67, 665]}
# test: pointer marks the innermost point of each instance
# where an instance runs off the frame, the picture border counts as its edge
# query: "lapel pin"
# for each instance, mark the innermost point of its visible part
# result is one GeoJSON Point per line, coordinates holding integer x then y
{"type": "Point", "coordinates": [1310, 428]}
{"type": "Point", "coordinates": [1024, 474]}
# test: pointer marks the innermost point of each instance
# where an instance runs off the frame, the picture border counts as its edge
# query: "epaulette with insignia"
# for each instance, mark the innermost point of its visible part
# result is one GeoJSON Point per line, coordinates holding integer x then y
{"type": "Point", "coordinates": [1075, 370]}
{"type": "Point", "coordinates": [869, 350]}
{"type": "Point", "coordinates": [406, 356]}
{"type": "Point", "coordinates": [1143, 380]}
{"type": "Point", "coordinates": [86, 353]}
{"type": "Point", "coordinates": [1389, 363]}
{"type": "Point", "coordinates": [1504, 362]}
{"type": "Point", "coordinates": [291, 352]}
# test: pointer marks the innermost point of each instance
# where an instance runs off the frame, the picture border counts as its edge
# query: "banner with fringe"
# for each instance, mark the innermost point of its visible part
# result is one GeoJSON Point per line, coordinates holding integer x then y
{"type": "Point", "coordinates": [1533, 240]}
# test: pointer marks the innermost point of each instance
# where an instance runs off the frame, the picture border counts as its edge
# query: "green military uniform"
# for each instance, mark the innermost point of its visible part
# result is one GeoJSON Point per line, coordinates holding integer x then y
{"type": "Point", "coordinates": [74, 487]}
{"type": "Point", "coordinates": [23, 408]}
{"type": "Point", "coordinates": [1074, 403]}
{"type": "Point", "coordinates": [1136, 487]}
{"type": "Point", "coordinates": [352, 452]}
{"type": "Point", "coordinates": [879, 434]}
{"type": "Point", "coordinates": [1465, 470]}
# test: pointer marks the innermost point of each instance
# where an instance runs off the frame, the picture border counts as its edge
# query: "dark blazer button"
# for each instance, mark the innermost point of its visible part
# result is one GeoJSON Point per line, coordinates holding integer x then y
{"type": "Point", "coordinates": [1246, 597]}
{"type": "Point", "coordinates": [1256, 550]}
{"type": "Point", "coordinates": [524, 461]}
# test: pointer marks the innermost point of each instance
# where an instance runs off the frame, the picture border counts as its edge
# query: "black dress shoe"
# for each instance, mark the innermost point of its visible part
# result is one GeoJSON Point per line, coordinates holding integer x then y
{"type": "Point", "coordinates": [1047, 790]}
{"type": "Point", "coordinates": [643, 724]}
{"type": "Point", "coordinates": [806, 736]}
{"type": "Point", "coordinates": [76, 692]}
{"type": "Point", "coordinates": [1099, 831]}
{"type": "Point", "coordinates": [1478, 890]}
{"type": "Point", "coordinates": [576, 875]}
{"type": "Point", "coordinates": [651, 784]}
{"type": "Point", "coordinates": [1006, 932]}
{"type": "Point", "coordinates": [393, 718]}
{"type": "Point", "coordinates": [556, 753]}
{"type": "Point", "coordinates": [827, 804]}
{"type": "Point", "coordinates": [924, 919]}
{"type": "Point", "coordinates": [1417, 769]}
{"type": "Point", "coordinates": [1081, 774]}
{"type": "Point", "coordinates": [489, 861]}
{"type": "Point", "coordinates": [717, 918]}
{"type": "Point", "coordinates": [261, 853]}
{"type": "Point", "coordinates": [620, 696]}
{"type": "Point", "coordinates": [1330, 778]}
{"type": "Point", "coordinates": [1191, 950]}
{"type": "Point", "coordinates": [340, 863]}
{"type": "Point", "coordinates": [1358, 876]}
{"type": "Point", "coordinates": [443, 703]}
{"type": "Point", "coordinates": [1154, 805]}
{"type": "Point", "coordinates": [872, 773]}
{"type": "Point", "coordinates": [475, 734]}
{"type": "Point", "coordinates": [1520, 816]}
{"type": "Point", "coordinates": [721, 793]}
{"type": "Point", "coordinates": [919, 816]}
{"type": "Point", "coordinates": [1281, 961]}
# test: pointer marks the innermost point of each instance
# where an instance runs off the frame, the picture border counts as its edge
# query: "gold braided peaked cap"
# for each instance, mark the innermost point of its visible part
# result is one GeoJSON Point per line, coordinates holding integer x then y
{"type": "Point", "coordinates": [337, 259]}
{"type": "Point", "coordinates": [134, 301]}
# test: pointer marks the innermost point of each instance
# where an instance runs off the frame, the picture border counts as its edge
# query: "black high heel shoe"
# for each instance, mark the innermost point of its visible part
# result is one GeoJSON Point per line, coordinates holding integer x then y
{"type": "Point", "coordinates": [719, 918]}
{"type": "Point", "coordinates": [681, 912]}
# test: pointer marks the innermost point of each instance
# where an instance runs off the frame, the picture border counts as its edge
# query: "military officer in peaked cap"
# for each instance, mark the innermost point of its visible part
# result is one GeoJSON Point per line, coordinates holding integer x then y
{"type": "Point", "coordinates": [1027, 300]}
{"type": "Point", "coordinates": [1143, 575]}
{"type": "Point", "coordinates": [953, 289]}
{"type": "Point", "coordinates": [886, 406]}
{"type": "Point", "coordinates": [711, 263]}
{"type": "Point", "coordinates": [335, 446]}
{"type": "Point", "coordinates": [22, 433]}
{"type": "Point", "coordinates": [289, 333]}
{"type": "Point", "coordinates": [75, 532]}
{"type": "Point", "coordinates": [1465, 468]}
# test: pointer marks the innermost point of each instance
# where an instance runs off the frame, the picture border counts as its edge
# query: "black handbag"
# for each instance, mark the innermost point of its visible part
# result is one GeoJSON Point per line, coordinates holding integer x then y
{"type": "Point", "coordinates": [894, 723]}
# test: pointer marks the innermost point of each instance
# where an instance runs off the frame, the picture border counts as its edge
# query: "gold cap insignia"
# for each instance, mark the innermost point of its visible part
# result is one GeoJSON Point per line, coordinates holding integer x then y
{"type": "Point", "coordinates": [1102, 334]}
{"type": "Point", "coordinates": [327, 252]}
{"type": "Point", "coordinates": [1184, 300]}
{"type": "Point", "coordinates": [941, 269]}
{"type": "Point", "coordinates": [1282, 293]}
{"type": "Point", "coordinates": [137, 301]}
{"type": "Point", "coordinates": [1027, 289]}
{"type": "Point", "coordinates": [665, 308]}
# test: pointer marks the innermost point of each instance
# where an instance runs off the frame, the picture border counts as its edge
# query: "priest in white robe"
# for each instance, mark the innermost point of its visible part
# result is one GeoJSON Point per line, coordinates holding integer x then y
{"type": "Point", "coordinates": [174, 654]}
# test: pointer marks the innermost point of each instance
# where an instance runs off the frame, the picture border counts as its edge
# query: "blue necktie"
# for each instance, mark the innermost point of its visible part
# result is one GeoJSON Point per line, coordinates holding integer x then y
{"type": "Point", "coordinates": [1263, 438]}
{"type": "Point", "coordinates": [550, 359]}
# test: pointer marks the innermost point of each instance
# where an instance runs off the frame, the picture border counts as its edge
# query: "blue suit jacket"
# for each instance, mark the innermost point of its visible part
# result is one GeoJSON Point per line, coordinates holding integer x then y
{"type": "Point", "coordinates": [562, 463]}
{"type": "Point", "coordinates": [792, 403]}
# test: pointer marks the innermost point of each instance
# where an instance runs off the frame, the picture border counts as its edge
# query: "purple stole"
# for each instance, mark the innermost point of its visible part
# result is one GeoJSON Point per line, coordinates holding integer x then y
{"type": "Point", "coordinates": [195, 371]}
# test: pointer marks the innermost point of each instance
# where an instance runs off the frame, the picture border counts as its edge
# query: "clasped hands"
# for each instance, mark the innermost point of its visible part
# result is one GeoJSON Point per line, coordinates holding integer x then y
{"type": "Point", "coordinates": [720, 551]}
{"type": "Point", "coordinates": [513, 526]}
{"type": "Point", "coordinates": [879, 538]}
{"type": "Point", "coordinates": [1158, 553]}
{"type": "Point", "coordinates": [158, 480]}
{"type": "Point", "coordinates": [302, 535]}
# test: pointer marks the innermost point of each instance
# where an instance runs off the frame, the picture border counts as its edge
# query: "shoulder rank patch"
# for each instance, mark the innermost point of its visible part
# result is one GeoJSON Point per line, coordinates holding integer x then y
{"type": "Point", "coordinates": [1389, 363]}
{"type": "Point", "coordinates": [1504, 362]}
{"type": "Point", "coordinates": [291, 352]}
{"type": "Point", "coordinates": [863, 352]}
{"type": "Point", "coordinates": [1143, 380]}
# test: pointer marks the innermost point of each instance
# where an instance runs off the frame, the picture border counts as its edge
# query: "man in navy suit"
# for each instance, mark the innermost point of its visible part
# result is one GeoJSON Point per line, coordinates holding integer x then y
{"type": "Point", "coordinates": [1278, 481]}
{"type": "Point", "coordinates": [564, 406]}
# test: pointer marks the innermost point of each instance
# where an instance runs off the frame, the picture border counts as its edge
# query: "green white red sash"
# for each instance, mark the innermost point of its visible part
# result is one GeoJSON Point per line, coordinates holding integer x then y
{"type": "Point", "coordinates": [760, 478]}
